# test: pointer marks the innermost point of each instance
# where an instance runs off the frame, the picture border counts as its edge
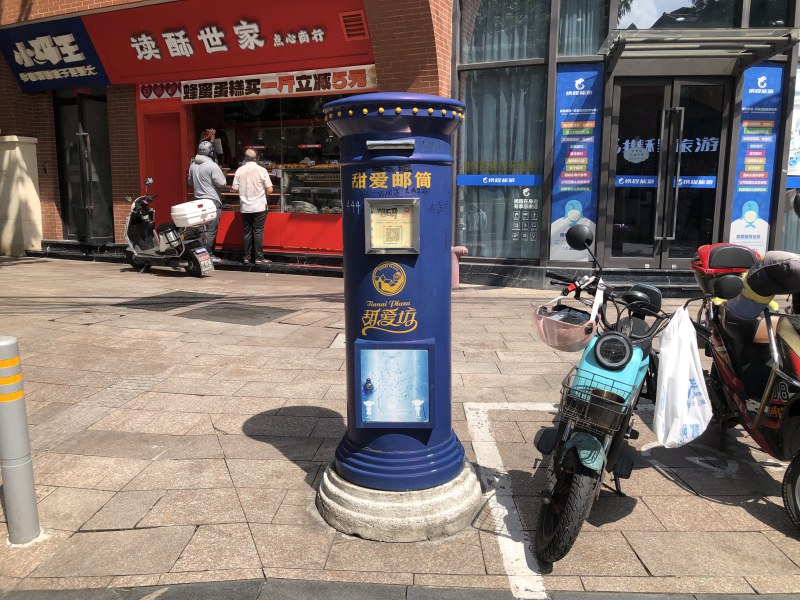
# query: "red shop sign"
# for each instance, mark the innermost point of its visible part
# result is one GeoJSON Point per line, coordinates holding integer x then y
{"type": "Point", "coordinates": [203, 39]}
{"type": "Point", "coordinates": [299, 83]}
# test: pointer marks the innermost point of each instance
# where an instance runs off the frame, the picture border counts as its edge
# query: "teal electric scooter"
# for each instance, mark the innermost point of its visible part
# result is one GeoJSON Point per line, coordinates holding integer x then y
{"type": "Point", "coordinates": [598, 397]}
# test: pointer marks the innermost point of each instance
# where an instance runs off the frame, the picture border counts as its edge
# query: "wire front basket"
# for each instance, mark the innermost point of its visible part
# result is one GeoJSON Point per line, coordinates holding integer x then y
{"type": "Point", "coordinates": [597, 404]}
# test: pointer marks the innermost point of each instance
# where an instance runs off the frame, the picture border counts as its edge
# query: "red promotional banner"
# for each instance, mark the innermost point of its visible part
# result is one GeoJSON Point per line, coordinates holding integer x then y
{"type": "Point", "coordinates": [204, 39]}
{"type": "Point", "coordinates": [320, 82]}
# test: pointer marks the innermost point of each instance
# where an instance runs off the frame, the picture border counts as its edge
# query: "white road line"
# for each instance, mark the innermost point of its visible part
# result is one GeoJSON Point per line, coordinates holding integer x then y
{"type": "Point", "coordinates": [524, 576]}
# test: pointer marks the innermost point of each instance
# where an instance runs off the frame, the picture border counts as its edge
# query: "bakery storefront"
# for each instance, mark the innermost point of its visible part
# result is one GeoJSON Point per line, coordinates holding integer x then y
{"type": "Point", "coordinates": [258, 74]}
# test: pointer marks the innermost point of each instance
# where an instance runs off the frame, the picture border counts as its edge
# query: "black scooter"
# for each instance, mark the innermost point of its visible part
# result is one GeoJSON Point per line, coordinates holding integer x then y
{"type": "Point", "coordinates": [166, 245]}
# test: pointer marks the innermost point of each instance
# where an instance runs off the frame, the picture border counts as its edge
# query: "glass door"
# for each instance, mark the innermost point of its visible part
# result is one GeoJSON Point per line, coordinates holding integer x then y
{"type": "Point", "coordinates": [666, 174]}
{"type": "Point", "coordinates": [85, 167]}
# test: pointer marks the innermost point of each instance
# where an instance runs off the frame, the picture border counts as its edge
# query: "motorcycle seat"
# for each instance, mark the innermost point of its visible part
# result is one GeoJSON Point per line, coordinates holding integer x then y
{"type": "Point", "coordinates": [748, 350]}
{"type": "Point", "coordinates": [164, 227]}
{"type": "Point", "coordinates": [741, 330]}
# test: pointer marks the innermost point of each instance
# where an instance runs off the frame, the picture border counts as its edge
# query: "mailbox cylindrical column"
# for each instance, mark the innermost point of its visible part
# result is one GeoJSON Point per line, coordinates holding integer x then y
{"type": "Point", "coordinates": [396, 170]}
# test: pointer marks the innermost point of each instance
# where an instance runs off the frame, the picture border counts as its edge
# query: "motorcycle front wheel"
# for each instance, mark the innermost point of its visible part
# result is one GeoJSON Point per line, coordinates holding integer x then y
{"type": "Point", "coordinates": [791, 490]}
{"type": "Point", "coordinates": [561, 519]}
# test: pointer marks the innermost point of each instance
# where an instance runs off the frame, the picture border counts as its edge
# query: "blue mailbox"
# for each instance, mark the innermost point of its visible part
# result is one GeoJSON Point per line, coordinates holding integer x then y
{"type": "Point", "coordinates": [396, 170]}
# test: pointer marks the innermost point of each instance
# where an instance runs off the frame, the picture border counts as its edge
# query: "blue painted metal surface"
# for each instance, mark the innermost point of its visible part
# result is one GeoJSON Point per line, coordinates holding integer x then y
{"type": "Point", "coordinates": [397, 305]}
{"type": "Point", "coordinates": [630, 376]}
{"type": "Point", "coordinates": [626, 382]}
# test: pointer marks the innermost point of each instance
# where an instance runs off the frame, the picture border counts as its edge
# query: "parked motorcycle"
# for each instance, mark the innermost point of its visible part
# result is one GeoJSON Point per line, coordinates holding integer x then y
{"type": "Point", "coordinates": [598, 397]}
{"type": "Point", "coordinates": [754, 380]}
{"type": "Point", "coordinates": [178, 244]}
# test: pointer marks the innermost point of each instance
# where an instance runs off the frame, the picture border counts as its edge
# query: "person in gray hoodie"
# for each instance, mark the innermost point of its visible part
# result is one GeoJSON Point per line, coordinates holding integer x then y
{"type": "Point", "coordinates": [207, 179]}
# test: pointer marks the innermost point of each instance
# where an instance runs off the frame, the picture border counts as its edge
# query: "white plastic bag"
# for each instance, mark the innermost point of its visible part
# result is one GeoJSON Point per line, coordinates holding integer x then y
{"type": "Point", "coordinates": [683, 410]}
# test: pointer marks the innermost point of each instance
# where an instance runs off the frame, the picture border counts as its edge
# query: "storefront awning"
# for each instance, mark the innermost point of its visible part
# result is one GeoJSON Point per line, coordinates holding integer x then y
{"type": "Point", "coordinates": [159, 44]}
{"type": "Point", "coordinates": [741, 47]}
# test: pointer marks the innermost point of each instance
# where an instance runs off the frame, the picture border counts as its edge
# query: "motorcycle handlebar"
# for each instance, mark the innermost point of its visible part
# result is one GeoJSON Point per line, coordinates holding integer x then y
{"type": "Point", "coordinates": [611, 293]}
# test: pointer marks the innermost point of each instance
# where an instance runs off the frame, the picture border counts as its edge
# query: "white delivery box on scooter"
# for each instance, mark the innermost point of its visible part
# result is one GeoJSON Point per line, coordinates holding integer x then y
{"type": "Point", "coordinates": [194, 213]}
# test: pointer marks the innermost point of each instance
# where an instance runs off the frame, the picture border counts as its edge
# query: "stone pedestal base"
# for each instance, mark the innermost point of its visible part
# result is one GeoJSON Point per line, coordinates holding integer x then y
{"type": "Point", "coordinates": [400, 516]}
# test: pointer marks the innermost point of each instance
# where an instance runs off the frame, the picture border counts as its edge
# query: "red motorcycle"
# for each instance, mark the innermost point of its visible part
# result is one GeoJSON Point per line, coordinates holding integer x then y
{"type": "Point", "coordinates": [754, 380]}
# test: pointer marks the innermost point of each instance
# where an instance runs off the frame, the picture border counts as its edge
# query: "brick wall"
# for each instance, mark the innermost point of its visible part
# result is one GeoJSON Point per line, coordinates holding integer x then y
{"type": "Point", "coordinates": [17, 11]}
{"type": "Point", "coordinates": [32, 115]}
{"type": "Point", "coordinates": [412, 44]}
{"type": "Point", "coordinates": [442, 18]}
{"type": "Point", "coordinates": [122, 133]}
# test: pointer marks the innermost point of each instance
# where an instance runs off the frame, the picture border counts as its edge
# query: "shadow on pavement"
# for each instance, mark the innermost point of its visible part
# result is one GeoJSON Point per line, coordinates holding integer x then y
{"type": "Point", "coordinates": [306, 435]}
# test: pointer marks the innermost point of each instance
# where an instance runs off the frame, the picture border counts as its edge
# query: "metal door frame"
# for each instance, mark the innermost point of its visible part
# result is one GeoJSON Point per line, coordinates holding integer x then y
{"type": "Point", "coordinates": [672, 86]}
{"type": "Point", "coordinates": [85, 168]}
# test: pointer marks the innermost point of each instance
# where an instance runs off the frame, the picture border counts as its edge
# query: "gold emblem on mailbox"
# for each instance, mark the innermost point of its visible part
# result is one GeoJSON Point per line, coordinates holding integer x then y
{"type": "Point", "coordinates": [389, 278]}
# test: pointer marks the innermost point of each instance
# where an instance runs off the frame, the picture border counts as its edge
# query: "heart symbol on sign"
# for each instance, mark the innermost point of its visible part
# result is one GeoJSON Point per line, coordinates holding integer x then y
{"type": "Point", "coordinates": [146, 90]}
{"type": "Point", "coordinates": [171, 88]}
{"type": "Point", "coordinates": [158, 90]}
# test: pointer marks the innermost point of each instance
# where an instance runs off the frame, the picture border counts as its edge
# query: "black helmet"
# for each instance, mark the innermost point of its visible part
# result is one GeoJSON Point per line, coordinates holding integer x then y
{"type": "Point", "coordinates": [205, 148]}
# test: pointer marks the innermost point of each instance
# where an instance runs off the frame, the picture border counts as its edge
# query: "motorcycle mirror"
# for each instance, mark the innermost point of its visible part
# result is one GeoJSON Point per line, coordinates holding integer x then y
{"type": "Point", "coordinates": [727, 286]}
{"type": "Point", "coordinates": [579, 237]}
{"type": "Point", "coordinates": [635, 297]}
{"type": "Point", "coordinates": [148, 181]}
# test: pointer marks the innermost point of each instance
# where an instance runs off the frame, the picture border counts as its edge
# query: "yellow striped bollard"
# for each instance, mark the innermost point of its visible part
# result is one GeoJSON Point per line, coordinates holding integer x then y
{"type": "Point", "coordinates": [22, 515]}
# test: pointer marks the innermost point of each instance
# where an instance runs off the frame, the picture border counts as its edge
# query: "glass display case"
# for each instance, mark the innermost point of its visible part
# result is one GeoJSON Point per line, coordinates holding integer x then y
{"type": "Point", "coordinates": [230, 199]}
{"type": "Point", "coordinates": [314, 190]}
{"type": "Point", "coordinates": [308, 190]}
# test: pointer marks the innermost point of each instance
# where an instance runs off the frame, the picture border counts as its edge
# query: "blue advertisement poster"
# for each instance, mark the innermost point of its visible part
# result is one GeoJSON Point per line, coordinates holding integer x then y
{"type": "Point", "coordinates": [50, 55]}
{"type": "Point", "coordinates": [579, 101]}
{"type": "Point", "coordinates": [755, 159]}
{"type": "Point", "coordinates": [793, 179]}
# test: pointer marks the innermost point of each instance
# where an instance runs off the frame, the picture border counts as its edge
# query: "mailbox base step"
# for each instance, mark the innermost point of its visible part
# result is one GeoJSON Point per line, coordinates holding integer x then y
{"type": "Point", "coordinates": [388, 516]}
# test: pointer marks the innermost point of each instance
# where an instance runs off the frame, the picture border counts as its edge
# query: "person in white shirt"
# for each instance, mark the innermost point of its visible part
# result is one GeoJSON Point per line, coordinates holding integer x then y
{"type": "Point", "coordinates": [254, 185]}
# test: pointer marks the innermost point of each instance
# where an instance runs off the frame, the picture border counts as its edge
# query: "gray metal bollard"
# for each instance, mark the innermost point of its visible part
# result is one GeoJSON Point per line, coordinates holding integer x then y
{"type": "Point", "coordinates": [22, 514]}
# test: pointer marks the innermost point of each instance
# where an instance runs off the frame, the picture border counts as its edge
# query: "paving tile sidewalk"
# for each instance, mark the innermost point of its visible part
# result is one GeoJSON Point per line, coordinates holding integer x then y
{"type": "Point", "coordinates": [174, 447]}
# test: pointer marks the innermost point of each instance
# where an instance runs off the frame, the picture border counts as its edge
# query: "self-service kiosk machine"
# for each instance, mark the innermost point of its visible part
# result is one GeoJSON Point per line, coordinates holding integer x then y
{"type": "Point", "coordinates": [399, 472]}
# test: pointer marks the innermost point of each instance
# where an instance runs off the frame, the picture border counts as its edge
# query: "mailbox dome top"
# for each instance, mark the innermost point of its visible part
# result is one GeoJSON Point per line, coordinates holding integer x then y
{"type": "Point", "coordinates": [390, 100]}
{"type": "Point", "coordinates": [394, 114]}
{"type": "Point", "coordinates": [398, 104]}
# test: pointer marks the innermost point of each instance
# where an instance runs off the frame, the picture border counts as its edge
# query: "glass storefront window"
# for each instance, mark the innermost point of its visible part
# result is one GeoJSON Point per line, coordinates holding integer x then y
{"type": "Point", "coordinates": [768, 13]}
{"type": "Point", "coordinates": [678, 14]}
{"type": "Point", "coordinates": [494, 30]}
{"type": "Point", "coordinates": [582, 26]}
{"type": "Point", "coordinates": [503, 135]}
{"type": "Point", "coordinates": [282, 131]}
{"type": "Point", "coordinates": [291, 140]}
{"type": "Point", "coordinates": [487, 223]}
{"type": "Point", "coordinates": [791, 224]}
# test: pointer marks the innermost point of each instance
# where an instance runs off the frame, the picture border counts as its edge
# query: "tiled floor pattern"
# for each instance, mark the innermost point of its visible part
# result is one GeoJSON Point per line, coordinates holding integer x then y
{"type": "Point", "coordinates": [171, 449]}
